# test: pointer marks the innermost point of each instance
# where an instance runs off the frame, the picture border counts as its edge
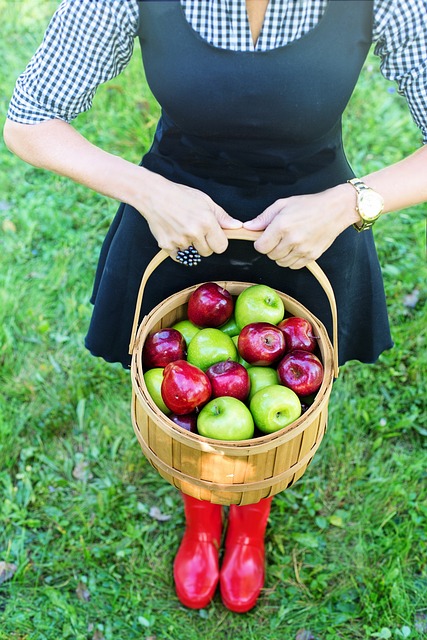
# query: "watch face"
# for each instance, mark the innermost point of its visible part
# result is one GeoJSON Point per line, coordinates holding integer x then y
{"type": "Point", "coordinates": [370, 205]}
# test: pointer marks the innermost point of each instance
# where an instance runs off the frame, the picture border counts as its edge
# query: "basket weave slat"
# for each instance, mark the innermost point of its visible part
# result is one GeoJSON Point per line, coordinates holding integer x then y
{"type": "Point", "coordinates": [219, 471]}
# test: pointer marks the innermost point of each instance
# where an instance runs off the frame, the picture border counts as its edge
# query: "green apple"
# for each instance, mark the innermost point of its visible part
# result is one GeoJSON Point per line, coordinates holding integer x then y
{"type": "Point", "coordinates": [258, 303]}
{"type": "Point", "coordinates": [274, 408]}
{"type": "Point", "coordinates": [187, 329]}
{"type": "Point", "coordinates": [210, 346]}
{"type": "Point", "coordinates": [230, 327]}
{"type": "Point", "coordinates": [225, 418]}
{"type": "Point", "coordinates": [239, 357]}
{"type": "Point", "coordinates": [261, 377]}
{"type": "Point", "coordinates": [153, 379]}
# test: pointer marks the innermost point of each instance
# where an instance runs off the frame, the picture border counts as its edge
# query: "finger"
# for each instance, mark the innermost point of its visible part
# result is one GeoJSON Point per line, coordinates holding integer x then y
{"type": "Point", "coordinates": [293, 264]}
{"type": "Point", "coordinates": [225, 221]}
{"type": "Point", "coordinates": [281, 251]}
{"type": "Point", "coordinates": [216, 239]}
{"type": "Point", "coordinates": [293, 261]}
{"type": "Point", "coordinates": [262, 221]}
{"type": "Point", "coordinates": [202, 245]}
{"type": "Point", "coordinates": [269, 242]}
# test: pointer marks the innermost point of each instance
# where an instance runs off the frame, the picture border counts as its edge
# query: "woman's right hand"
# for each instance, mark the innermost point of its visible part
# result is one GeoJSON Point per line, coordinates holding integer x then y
{"type": "Point", "coordinates": [180, 216]}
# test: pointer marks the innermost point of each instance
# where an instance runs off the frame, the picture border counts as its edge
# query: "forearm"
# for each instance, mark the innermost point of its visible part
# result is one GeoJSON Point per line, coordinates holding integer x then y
{"type": "Point", "coordinates": [56, 146]}
{"type": "Point", "coordinates": [299, 229]}
{"type": "Point", "coordinates": [403, 184]}
{"type": "Point", "coordinates": [178, 216]}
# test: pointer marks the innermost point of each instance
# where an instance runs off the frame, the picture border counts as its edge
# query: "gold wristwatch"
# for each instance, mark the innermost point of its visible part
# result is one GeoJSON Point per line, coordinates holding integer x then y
{"type": "Point", "coordinates": [369, 204]}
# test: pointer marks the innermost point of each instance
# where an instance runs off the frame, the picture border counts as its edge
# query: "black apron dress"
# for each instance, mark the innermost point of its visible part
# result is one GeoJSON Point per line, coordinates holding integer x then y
{"type": "Point", "coordinates": [247, 128]}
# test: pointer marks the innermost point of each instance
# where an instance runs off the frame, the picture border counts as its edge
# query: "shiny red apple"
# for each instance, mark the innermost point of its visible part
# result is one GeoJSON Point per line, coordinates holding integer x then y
{"type": "Point", "coordinates": [210, 305]}
{"type": "Point", "coordinates": [229, 378]}
{"type": "Point", "coordinates": [301, 371]}
{"type": "Point", "coordinates": [261, 343]}
{"type": "Point", "coordinates": [162, 347]}
{"type": "Point", "coordinates": [185, 387]}
{"type": "Point", "coordinates": [187, 421]}
{"type": "Point", "coordinates": [299, 334]}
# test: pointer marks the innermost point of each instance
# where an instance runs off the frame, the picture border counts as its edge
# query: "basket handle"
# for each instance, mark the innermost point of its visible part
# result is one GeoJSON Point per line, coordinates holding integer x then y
{"type": "Point", "coordinates": [243, 234]}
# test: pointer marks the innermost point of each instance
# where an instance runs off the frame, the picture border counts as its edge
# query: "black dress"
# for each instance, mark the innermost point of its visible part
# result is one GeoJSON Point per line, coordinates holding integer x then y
{"type": "Point", "coordinates": [247, 128]}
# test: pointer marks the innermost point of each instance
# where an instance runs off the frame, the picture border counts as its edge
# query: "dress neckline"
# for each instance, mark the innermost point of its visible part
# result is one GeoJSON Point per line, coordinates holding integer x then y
{"type": "Point", "coordinates": [252, 52]}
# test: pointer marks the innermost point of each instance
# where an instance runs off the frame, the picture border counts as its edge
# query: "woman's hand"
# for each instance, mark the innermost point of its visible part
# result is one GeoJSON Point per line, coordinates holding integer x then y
{"type": "Point", "coordinates": [299, 229]}
{"type": "Point", "coordinates": [180, 216]}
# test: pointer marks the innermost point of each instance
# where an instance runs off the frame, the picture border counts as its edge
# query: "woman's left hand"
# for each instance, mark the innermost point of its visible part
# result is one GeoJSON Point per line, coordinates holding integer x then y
{"type": "Point", "coordinates": [299, 229]}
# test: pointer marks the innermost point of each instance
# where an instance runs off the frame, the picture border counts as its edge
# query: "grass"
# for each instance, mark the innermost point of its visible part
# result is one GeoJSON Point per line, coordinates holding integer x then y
{"type": "Point", "coordinates": [346, 545]}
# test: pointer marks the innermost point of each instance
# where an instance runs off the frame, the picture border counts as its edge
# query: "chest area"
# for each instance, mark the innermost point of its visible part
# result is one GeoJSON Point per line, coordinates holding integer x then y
{"type": "Point", "coordinates": [297, 91]}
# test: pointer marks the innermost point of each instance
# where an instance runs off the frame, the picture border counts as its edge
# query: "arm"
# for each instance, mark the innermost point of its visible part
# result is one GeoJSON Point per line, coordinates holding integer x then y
{"type": "Point", "coordinates": [295, 233]}
{"type": "Point", "coordinates": [177, 215]}
{"type": "Point", "coordinates": [37, 127]}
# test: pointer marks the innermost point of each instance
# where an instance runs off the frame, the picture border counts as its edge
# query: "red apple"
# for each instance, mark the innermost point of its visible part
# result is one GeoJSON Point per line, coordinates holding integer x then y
{"type": "Point", "coordinates": [162, 347]}
{"type": "Point", "coordinates": [298, 333]}
{"type": "Point", "coordinates": [187, 421]}
{"type": "Point", "coordinates": [210, 305]}
{"type": "Point", "coordinates": [261, 343]}
{"type": "Point", "coordinates": [229, 378]}
{"type": "Point", "coordinates": [301, 371]}
{"type": "Point", "coordinates": [185, 387]}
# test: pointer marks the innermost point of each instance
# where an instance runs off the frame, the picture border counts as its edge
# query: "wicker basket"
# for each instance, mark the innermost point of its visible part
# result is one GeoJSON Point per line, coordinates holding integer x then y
{"type": "Point", "coordinates": [223, 472]}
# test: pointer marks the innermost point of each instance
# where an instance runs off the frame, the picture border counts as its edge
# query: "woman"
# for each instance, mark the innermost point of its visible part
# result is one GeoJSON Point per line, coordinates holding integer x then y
{"type": "Point", "coordinates": [252, 94]}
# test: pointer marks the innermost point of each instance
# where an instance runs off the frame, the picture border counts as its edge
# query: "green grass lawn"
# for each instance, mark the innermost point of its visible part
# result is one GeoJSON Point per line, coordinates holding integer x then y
{"type": "Point", "coordinates": [347, 545]}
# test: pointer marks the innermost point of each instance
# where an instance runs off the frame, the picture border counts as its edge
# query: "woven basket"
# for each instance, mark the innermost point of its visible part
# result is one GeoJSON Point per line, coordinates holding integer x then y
{"type": "Point", "coordinates": [223, 472]}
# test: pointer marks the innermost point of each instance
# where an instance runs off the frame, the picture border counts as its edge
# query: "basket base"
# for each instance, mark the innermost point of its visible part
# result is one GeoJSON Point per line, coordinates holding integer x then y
{"type": "Point", "coordinates": [240, 493]}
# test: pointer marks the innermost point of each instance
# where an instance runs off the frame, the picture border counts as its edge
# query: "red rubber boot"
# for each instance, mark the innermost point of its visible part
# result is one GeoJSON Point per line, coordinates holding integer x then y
{"type": "Point", "coordinates": [195, 569]}
{"type": "Point", "coordinates": [243, 568]}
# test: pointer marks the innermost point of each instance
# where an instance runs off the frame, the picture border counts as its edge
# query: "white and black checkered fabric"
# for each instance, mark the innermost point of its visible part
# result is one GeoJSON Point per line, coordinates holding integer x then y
{"type": "Point", "coordinates": [88, 42]}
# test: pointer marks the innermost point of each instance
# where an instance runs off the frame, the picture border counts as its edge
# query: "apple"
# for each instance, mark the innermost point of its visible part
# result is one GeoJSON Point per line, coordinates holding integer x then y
{"type": "Point", "coordinates": [301, 371]}
{"type": "Point", "coordinates": [229, 378]}
{"type": "Point", "coordinates": [225, 418]}
{"type": "Point", "coordinates": [230, 327]}
{"type": "Point", "coordinates": [210, 345]}
{"type": "Point", "coordinates": [261, 343]}
{"type": "Point", "coordinates": [240, 360]}
{"type": "Point", "coordinates": [185, 388]}
{"type": "Point", "coordinates": [258, 303]}
{"type": "Point", "coordinates": [153, 380]}
{"type": "Point", "coordinates": [298, 333]}
{"type": "Point", "coordinates": [274, 408]}
{"type": "Point", "coordinates": [188, 330]}
{"type": "Point", "coordinates": [260, 378]}
{"type": "Point", "coordinates": [187, 421]}
{"type": "Point", "coordinates": [162, 347]}
{"type": "Point", "coordinates": [210, 305]}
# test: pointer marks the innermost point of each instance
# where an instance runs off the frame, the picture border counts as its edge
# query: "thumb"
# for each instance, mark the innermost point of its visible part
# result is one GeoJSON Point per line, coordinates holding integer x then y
{"type": "Point", "coordinates": [262, 221]}
{"type": "Point", "coordinates": [225, 221]}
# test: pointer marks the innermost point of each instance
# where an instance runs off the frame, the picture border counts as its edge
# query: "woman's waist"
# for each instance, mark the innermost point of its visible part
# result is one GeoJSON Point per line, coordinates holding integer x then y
{"type": "Point", "coordinates": [249, 162]}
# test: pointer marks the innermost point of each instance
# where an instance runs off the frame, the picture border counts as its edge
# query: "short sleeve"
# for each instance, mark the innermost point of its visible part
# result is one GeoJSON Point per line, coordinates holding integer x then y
{"type": "Point", "coordinates": [87, 42]}
{"type": "Point", "coordinates": [400, 34]}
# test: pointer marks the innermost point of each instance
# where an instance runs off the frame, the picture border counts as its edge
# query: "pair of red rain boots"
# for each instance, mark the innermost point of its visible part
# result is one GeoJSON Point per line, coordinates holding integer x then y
{"type": "Point", "coordinates": [196, 566]}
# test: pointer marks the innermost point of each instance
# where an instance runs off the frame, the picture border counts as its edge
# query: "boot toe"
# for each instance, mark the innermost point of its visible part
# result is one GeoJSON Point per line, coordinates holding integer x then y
{"type": "Point", "coordinates": [242, 579]}
{"type": "Point", "coordinates": [196, 575]}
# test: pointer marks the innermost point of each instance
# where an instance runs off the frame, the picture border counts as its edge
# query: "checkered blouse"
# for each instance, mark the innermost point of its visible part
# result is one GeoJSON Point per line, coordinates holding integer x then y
{"type": "Point", "coordinates": [91, 41]}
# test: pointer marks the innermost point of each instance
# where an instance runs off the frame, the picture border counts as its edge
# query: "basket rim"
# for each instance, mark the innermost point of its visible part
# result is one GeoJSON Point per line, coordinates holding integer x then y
{"type": "Point", "coordinates": [253, 445]}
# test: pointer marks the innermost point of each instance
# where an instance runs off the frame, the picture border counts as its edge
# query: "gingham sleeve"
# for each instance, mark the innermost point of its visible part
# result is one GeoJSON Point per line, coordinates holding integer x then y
{"type": "Point", "coordinates": [86, 43]}
{"type": "Point", "coordinates": [400, 33]}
